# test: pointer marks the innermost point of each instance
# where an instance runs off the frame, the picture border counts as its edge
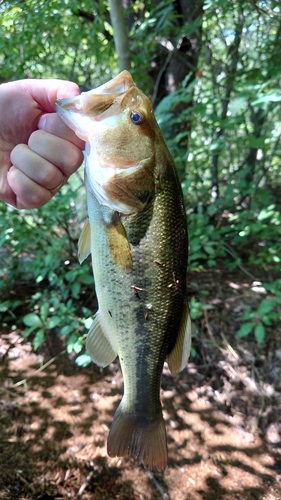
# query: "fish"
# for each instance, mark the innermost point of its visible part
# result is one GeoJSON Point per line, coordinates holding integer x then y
{"type": "Point", "coordinates": [136, 232]}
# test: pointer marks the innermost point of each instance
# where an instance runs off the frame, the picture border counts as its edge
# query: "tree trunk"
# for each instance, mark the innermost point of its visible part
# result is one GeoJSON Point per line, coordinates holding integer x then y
{"type": "Point", "coordinates": [174, 65]}
{"type": "Point", "coordinates": [121, 39]}
{"type": "Point", "coordinates": [232, 68]}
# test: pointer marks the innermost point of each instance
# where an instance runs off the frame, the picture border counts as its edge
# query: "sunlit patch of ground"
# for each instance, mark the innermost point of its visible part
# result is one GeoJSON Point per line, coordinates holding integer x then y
{"type": "Point", "coordinates": [222, 416]}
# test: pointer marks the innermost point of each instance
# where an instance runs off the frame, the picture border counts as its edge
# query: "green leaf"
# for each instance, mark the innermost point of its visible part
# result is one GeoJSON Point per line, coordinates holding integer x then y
{"type": "Point", "coordinates": [4, 306]}
{"type": "Point", "coordinates": [237, 104]}
{"type": "Point", "coordinates": [38, 339]}
{"type": "Point", "coordinates": [266, 320]}
{"type": "Point", "coordinates": [44, 309]}
{"type": "Point", "coordinates": [66, 330]}
{"type": "Point", "coordinates": [265, 307]}
{"type": "Point", "coordinates": [77, 347]}
{"type": "Point", "coordinates": [245, 329]}
{"type": "Point", "coordinates": [29, 330]}
{"type": "Point", "coordinates": [272, 96]}
{"type": "Point", "coordinates": [75, 344]}
{"type": "Point", "coordinates": [209, 249]}
{"type": "Point", "coordinates": [260, 332]}
{"type": "Point", "coordinates": [53, 322]}
{"type": "Point", "coordinates": [267, 212]}
{"type": "Point", "coordinates": [87, 279]}
{"type": "Point", "coordinates": [83, 360]}
{"type": "Point", "coordinates": [32, 319]}
{"type": "Point", "coordinates": [87, 322]}
{"type": "Point", "coordinates": [69, 276]}
{"type": "Point", "coordinates": [193, 352]}
{"type": "Point", "coordinates": [246, 316]}
{"type": "Point", "coordinates": [255, 142]}
{"type": "Point", "coordinates": [75, 289]}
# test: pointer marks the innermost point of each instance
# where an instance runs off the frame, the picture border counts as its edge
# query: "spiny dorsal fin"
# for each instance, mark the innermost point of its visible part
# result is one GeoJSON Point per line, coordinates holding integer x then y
{"type": "Point", "coordinates": [98, 345]}
{"type": "Point", "coordinates": [178, 357]}
{"type": "Point", "coordinates": [118, 244]}
{"type": "Point", "coordinates": [84, 243]}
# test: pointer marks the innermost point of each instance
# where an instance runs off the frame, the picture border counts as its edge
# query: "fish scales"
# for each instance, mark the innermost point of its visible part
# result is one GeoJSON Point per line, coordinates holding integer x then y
{"type": "Point", "coordinates": [137, 236]}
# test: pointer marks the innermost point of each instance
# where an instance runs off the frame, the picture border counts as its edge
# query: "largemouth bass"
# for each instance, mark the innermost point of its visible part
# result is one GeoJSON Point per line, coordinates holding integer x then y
{"type": "Point", "coordinates": [137, 235]}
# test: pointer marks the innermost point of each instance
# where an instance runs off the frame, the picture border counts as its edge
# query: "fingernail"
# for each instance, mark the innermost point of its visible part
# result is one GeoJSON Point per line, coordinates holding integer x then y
{"type": "Point", "coordinates": [68, 90]}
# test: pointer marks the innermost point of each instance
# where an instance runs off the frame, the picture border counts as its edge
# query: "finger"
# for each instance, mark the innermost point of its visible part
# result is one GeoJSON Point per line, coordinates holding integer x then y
{"type": "Point", "coordinates": [28, 194]}
{"type": "Point", "coordinates": [54, 125]}
{"type": "Point", "coordinates": [36, 168]}
{"type": "Point", "coordinates": [46, 92]}
{"type": "Point", "coordinates": [6, 193]}
{"type": "Point", "coordinates": [60, 152]}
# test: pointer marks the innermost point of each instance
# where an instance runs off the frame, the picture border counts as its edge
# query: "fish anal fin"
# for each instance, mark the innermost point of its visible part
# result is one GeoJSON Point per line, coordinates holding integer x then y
{"type": "Point", "coordinates": [178, 357]}
{"type": "Point", "coordinates": [135, 436]}
{"type": "Point", "coordinates": [98, 345]}
{"type": "Point", "coordinates": [119, 247]}
{"type": "Point", "coordinates": [84, 243]}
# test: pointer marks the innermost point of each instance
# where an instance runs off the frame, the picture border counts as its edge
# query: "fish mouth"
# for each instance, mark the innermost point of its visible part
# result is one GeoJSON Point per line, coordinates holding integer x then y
{"type": "Point", "coordinates": [96, 101]}
{"type": "Point", "coordinates": [117, 85]}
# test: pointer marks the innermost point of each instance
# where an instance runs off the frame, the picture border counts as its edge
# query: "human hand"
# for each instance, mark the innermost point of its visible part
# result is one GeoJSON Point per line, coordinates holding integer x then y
{"type": "Point", "coordinates": [38, 152]}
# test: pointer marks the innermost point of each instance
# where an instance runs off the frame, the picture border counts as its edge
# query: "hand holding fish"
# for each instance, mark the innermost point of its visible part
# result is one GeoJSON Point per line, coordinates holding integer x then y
{"type": "Point", "coordinates": [38, 152]}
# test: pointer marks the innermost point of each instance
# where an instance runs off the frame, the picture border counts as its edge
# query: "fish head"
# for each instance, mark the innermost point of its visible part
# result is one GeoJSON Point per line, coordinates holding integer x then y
{"type": "Point", "coordinates": [117, 123]}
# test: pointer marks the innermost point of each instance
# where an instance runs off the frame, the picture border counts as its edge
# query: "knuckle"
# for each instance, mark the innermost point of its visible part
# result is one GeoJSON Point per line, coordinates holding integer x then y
{"type": "Point", "coordinates": [38, 198]}
{"type": "Point", "coordinates": [48, 177]}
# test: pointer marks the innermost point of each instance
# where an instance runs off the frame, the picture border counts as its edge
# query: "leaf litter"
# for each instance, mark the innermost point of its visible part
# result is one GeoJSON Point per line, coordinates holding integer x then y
{"type": "Point", "coordinates": [222, 415]}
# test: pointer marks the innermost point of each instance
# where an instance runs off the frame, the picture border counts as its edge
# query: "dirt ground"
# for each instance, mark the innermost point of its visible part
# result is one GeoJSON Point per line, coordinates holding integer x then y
{"type": "Point", "coordinates": [222, 415]}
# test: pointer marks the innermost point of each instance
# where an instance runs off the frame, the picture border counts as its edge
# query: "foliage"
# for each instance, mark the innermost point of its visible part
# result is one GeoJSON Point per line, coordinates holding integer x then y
{"type": "Point", "coordinates": [231, 171]}
{"type": "Point", "coordinates": [223, 128]}
{"type": "Point", "coordinates": [39, 250]}
{"type": "Point", "coordinates": [267, 313]}
{"type": "Point", "coordinates": [56, 39]}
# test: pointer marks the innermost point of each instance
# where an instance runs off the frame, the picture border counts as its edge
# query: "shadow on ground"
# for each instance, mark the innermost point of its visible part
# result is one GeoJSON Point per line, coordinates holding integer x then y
{"type": "Point", "coordinates": [222, 416]}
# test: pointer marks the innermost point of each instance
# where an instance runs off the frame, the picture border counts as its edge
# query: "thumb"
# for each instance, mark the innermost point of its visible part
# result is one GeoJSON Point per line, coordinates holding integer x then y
{"type": "Point", "coordinates": [67, 89]}
{"type": "Point", "coordinates": [46, 92]}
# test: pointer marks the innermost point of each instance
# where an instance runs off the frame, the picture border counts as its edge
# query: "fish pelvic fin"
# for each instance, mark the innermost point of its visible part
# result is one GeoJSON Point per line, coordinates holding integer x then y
{"type": "Point", "coordinates": [135, 436]}
{"type": "Point", "coordinates": [98, 344]}
{"type": "Point", "coordinates": [84, 243]}
{"type": "Point", "coordinates": [178, 357]}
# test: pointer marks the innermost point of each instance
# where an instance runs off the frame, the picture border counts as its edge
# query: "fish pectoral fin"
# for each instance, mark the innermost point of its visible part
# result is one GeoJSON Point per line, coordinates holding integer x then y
{"type": "Point", "coordinates": [178, 357]}
{"type": "Point", "coordinates": [118, 244]}
{"type": "Point", "coordinates": [84, 243]}
{"type": "Point", "coordinates": [98, 345]}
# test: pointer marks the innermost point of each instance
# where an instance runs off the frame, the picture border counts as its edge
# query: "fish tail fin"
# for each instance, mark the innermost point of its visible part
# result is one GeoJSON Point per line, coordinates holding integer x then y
{"type": "Point", "coordinates": [136, 436]}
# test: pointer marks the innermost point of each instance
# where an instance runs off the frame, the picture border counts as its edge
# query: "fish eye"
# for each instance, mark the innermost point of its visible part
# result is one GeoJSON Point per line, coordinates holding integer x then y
{"type": "Point", "coordinates": [136, 118]}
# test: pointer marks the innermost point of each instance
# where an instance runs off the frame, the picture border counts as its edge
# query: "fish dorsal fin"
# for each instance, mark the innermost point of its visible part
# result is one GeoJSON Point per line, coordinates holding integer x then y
{"type": "Point", "coordinates": [118, 244]}
{"type": "Point", "coordinates": [98, 345]}
{"type": "Point", "coordinates": [84, 243]}
{"type": "Point", "coordinates": [178, 357]}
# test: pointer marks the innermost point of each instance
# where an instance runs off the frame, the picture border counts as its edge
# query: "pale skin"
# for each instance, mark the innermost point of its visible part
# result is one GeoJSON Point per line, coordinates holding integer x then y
{"type": "Point", "coordinates": [38, 152]}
